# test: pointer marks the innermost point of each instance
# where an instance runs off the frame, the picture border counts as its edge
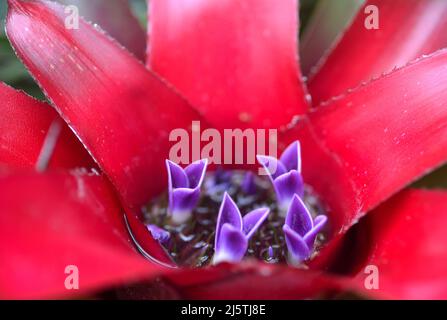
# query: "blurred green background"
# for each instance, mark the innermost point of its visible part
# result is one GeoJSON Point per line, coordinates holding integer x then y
{"type": "Point", "coordinates": [326, 16]}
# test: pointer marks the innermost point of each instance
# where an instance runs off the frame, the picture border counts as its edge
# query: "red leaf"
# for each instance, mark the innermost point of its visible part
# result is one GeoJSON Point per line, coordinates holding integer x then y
{"type": "Point", "coordinates": [257, 281]}
{"type": "Point", "coordinates": [407, 240]}
{"type": "Point", "coordinates": [120, 111]}
{"type": "Point", "coordinates": [24, 126]}
{"type": "Point", "coordinates": [374, 141]}
{"type": "Point", "coordinates": [48, 222]}
{"type": "Point", "coordinates": [236, 61]}
{"type": "Point", "coordinates": [116, 18]}
{"type": "Point", "coordinates": [407, 29]}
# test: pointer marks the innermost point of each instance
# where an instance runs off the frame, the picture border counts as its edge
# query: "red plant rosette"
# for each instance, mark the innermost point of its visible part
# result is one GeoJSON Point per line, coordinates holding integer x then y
{"type": "Point", "coordinates": [228, 64]}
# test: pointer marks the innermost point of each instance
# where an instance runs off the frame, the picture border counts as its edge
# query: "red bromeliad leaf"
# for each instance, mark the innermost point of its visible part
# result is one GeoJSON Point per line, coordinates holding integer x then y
{"type": "Point", "coordinates": [407, 29]}
{"type": "Point", "coordinates": [52, 221]}
{"type": "Point", "coordinates": [116, 18]}
{"type": "Point", "coordinates": [120, 111]}
{"type": "Point", "coordinates": [24, 125]}
{"type": "Point", "coordinates": [376, 140]}
{"type": "Point", "coordinates": [407, 240]}
{"type": "Point", "coordinates": [258, 281]}
{"type": "Point", "coordinates": [235, 60]}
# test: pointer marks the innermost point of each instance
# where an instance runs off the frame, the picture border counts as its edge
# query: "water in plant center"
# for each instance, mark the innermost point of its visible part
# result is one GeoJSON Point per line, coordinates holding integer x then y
{"type": "Point", "coordinates": [191, 244]}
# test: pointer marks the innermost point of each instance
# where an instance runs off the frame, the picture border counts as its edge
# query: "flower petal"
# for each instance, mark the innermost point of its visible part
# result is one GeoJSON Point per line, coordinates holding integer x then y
{"type": "Point", "coordinates": [298, 249]}
{"type": "Point", "coordinates": [407, 30]}
{"type": "Point", "coordinates": [116, 18]}
{"type": "Point", "coordinates": [394, 130]}
{"type": "Point", "coordinates": [183, 197]}
{"type": "Point", "coordinates": [298, 218]}
{"type": "Point", "coordinates": [252, 220]}
{"type": "Point", "coordinates": [121, 112]}
{"type": "Point", "coordinates": [196, 173]}
{"type": "Point", "coordinates": [159, 233]}
{"type": "Point", "coordinates": [231, 246]}
{"type": "Point", "coordinates": [319, 223]}
{"type": "Point", "coordinates": [407, 240]}
{"type": "Point", "coordinates": [184, 200]}
{"type": "Point", "coordinates": [228, 213]}
{"type": "Point", "coordinates": [272, 166]}
{"type": "Point", "coordinates": [236, 61]}
{"type": "Point", "coordinates": [24, 125]}
{"type": "Point", "coordinates": [51, 221]}
{"type": "Point", "coordinates": [286, 186]}
{"type": "Point", "coordinates": [291, 157]}
{"type": "Point", "coordinates": [176, 176]}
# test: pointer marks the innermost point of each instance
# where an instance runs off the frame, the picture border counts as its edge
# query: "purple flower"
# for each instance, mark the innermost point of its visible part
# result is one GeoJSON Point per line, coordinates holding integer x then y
{"type": "Point", "coordinates": [248, 183]}
{"type": "Point", "coordinates": [285, 174]}
{"type": "Point", "coordinates": [301, 230]}
{"type": "Point", "coordinates": [220, 182]}
{"type": "Point", "coordinates": [233, 231]}
{"type": "Point", "coordinates": [270, 252]}
{"type": "Point", "coordinates": [222, 176]}
{"type": "Point", "coordinates": [184, 188]}
{"type": "Point", "coordinates": [158, 233]}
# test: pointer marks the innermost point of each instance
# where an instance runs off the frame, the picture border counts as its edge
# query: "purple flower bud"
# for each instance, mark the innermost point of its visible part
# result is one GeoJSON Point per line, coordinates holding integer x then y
{"type": "Point", "coordinates": [220, 182]}
{"type": "Point", "coordinates": [158, 233]}
{"type": "Point", "coordinates": [270, 252]}
{"type": "Point", "coordinates": [184, 188]}
{"type": "Point", "coordinates": [233, 231]}
{"type": "Point", "coordinates": [285, 174]}
{"type": "Point", "coordinates": [222, 176]}
{"type": "Point", "coordinates": [248, 184]}
{"type": "Point", "coordinates": [301, 230]}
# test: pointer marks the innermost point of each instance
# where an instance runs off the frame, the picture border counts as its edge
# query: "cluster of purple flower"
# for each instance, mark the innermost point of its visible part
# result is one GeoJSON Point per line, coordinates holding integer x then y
{"type": "Point", "coordinates": [233, 231]}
